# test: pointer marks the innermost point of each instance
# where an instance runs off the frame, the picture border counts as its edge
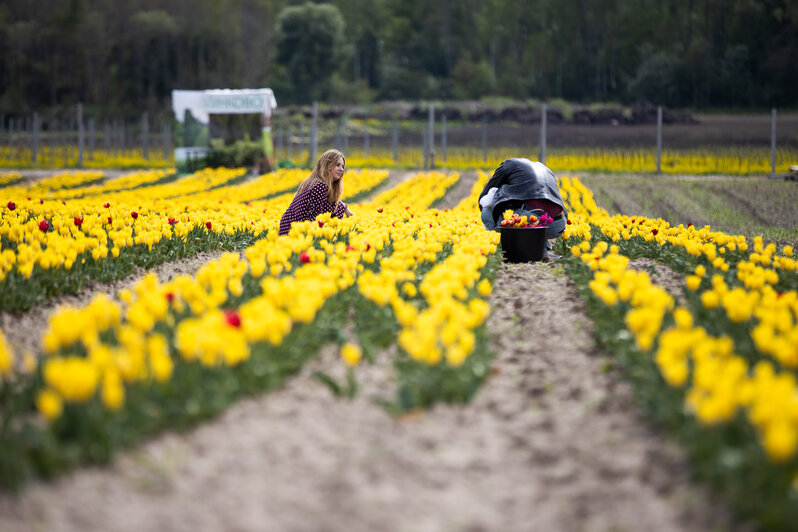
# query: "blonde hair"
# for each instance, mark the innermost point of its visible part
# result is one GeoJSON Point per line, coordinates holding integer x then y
{"type": "Point", "coordinates": [323, 173]}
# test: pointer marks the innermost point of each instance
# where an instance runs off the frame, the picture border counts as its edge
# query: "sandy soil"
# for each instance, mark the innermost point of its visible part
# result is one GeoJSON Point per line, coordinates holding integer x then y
{"type": "Point", "coordinates": [24, 329]}
{"type": "Point", "coordinates": [459, 191]}
{"type": "Point", "coordinates": [553, 441]}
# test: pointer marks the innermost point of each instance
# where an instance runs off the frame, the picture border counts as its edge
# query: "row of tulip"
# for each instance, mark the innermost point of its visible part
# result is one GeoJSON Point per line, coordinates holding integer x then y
{"type": "Point", "coordinates": [50, 246]}
{"type": "Point", "coordinates": [736, 161]}
{"type": "Point", "coordinates": [168, 354]}
{"type": "Point", "coordinates": [9, 178]}
{"type": "Point", "coordinates": [69, 157]}
{"type": "Point", "coordinates": [715, 362]}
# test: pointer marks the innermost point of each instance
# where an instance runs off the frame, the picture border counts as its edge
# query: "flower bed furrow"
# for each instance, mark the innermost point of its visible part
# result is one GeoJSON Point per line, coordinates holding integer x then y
{"type": "Point", "coordinates": [10, 178]}
{"type": "Point", "coordinates": [720, 369]}
{"type": "Point", "coordinates": [721, 161]}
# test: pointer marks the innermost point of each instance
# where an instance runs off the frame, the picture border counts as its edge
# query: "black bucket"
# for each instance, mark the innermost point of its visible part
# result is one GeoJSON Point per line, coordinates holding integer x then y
{"type": "Point", "coordinates": [523, 244]}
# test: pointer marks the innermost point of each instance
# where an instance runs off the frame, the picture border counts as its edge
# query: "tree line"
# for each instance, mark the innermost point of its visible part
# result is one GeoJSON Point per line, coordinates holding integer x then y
{"type": "Point", "coordinates": [125, 56]}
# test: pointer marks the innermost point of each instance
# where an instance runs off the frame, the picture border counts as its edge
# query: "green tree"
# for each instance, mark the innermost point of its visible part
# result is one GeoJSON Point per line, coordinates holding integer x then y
{"type": "Point", "coordinates": [310, 43]}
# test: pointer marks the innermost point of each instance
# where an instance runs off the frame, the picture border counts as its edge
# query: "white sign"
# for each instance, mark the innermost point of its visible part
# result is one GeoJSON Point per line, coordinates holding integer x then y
{"type": "Point", "coordinates": [222, 101]}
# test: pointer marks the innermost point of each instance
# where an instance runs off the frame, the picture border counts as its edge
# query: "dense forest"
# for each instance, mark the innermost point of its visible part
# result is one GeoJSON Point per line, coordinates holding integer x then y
{"type": "Point", "coordinates": [124, 56]}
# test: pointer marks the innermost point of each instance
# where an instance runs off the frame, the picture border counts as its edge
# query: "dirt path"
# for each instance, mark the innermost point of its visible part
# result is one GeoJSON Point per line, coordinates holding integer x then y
{"type": "Point", "coordinates": [459, 191]}
{"type": "Point", "coordinates": [24, 329]}
{"type": "Point", "coordinates": [551, 442]}
{"type": "Point", "coordinates": [394, 178]}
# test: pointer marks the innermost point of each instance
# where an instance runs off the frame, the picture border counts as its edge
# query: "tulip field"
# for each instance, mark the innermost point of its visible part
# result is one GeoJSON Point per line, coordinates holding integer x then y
{"type": "Point", "coordinates": [713, 363]}
{"type": "Point", "coordinates": [697, 161]}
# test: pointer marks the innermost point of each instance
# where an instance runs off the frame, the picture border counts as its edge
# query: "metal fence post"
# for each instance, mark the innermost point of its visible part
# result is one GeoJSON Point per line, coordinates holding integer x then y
{"type": "Point", "coordinates": [25, 141]}
{"type": "Point", "coordinates": [290, 142]}
{"type": "Point", "coordinates": [121, 130]}
{"type": "Point", "coordinates": [484, 139]}
{"type": "Point", "coordinates": [424, 148]}
{"type": "Point", "coordinates": [301, 136]}
{"type": "Point", "coordinates": [366, 142]}
{"type": "Point", "coordinates": [80, 135]}
{"type": "Point", "coordinates": [773, 142]}
{"type": "Point", "coordinates": [314, 135]}
{"type": "Point", "coordinates": [659, 139]}
{"type": "Point", "coordinates": [11, 150]}
{"type": "Point", "coordinates": [92, 139]}
{"type": "Point", "coordinates": [346, 136]}
{"type": "Point", "coordinates": [443, 140]}
{"type": "Point", "coordinates": [51, 139]}
{"type": "Point", "coordinates": [145, 136]}
{"type": "Point", "coordinates": [165, 139]}
{"type": "Point", "coordinates": [395, 142]}
{"type": "Point", "coordinates": [544, 116]}
{"type": "Point", "coordinates": [107, 138]}
{"type": "Point", "coordinates": [36, 128]}
{"type": "Point", "coordinates": [431, 135]}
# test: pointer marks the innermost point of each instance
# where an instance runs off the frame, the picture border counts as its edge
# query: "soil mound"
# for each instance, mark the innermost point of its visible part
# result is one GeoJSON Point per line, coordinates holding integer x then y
{"type": "Point", "coordinates": [475, 111]}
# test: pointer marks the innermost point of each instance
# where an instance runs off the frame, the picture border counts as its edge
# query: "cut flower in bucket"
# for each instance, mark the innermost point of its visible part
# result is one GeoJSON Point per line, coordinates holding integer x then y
{"type": "Point", "coordinates": [513, 219]}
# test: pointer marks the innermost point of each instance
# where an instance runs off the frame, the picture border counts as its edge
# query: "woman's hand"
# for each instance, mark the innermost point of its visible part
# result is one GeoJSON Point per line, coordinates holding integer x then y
{"type": "Point", "coordinates": [347, 212]}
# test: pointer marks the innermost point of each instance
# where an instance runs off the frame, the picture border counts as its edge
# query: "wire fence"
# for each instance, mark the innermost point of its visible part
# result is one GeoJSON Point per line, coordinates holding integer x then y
{"type": "Point", "coordinates": [737, 144]}
{"type": "Point", "coordinates": [52, 141]}
{"type": "Point", "coordinates": [742, 144]}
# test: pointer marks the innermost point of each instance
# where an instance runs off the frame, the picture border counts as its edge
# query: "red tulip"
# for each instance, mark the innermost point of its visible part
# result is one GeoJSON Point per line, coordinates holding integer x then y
{"type": "Point", "coordinates": [208, 225]}
{"type": "Point", "coordinates": [304, 258]}
{"type": "Point", "coordinates": [106, 204]}
{"type": "Point", "coordinates": [44, 226]}
{"type": "Point", "coordinates": [134, 214]}
{"type": "Point", "coordinates": [321, 224]}
{"type": "Point", "coordinates": [11, 205]}
{"type": "Point", "coordinates": [78, 221]}
{"type": "Point", "coordinates": [233, 319]}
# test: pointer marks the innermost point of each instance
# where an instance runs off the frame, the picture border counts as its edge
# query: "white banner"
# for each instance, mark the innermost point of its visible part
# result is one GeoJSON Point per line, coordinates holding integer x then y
{"type": "Point", "coordinates": [222, 101]}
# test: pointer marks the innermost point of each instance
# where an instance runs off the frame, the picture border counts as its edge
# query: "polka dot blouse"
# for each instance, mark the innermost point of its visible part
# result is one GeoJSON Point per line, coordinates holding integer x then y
{"type": "Point", "coordinates": [308, 204]}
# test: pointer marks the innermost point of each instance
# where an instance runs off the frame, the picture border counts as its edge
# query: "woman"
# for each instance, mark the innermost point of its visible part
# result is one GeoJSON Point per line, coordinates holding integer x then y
{"type": "Point", "coordinates": [527, 187]}
{"type": "Point", "coordinates": [319, 193]}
